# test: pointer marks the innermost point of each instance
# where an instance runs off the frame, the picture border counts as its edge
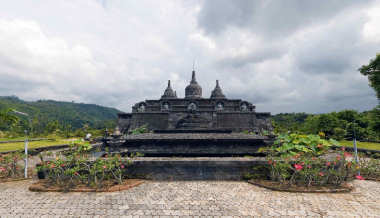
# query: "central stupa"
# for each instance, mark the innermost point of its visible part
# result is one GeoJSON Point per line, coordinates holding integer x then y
{"type": "Point", "coordinates": [195, 113]}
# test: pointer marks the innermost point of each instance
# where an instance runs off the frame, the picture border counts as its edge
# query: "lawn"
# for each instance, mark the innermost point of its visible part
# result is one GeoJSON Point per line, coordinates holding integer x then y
{"type": "Point", "coordinates": [36, 144]}
{"type": "Point", "coordinates": [11, 139]}
{"type": "Point", "coordinates": [366, 145]}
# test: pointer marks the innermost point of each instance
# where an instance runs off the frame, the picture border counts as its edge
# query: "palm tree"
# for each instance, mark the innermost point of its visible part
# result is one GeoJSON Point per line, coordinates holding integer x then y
{"type": "Point", "coordinates": [7, 118]}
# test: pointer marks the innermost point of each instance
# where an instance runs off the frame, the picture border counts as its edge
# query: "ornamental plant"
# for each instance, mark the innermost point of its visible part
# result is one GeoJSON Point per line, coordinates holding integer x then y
{"type": "Point", "coordinates": [298, 160]}
{"type": "Point", "coordinates": [78, 168]}
{"type": "Point", "coordinates": [9, 165]}
{"type": "Point", "coordinates": [288, 145]}
{"type": "Point", "coordinates": [315, 171]}
{"type": "Point", "coordinates": [369, 168]}
{"type": "Point", "coordinates": [140, 130]}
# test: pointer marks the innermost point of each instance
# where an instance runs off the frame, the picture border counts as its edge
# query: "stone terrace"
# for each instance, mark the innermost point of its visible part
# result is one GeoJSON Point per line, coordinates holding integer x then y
{"type": "Point", "coordinates": [153, 199]}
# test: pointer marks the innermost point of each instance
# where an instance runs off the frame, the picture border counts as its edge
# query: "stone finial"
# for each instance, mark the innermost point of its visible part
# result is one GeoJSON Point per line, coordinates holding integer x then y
{"type": "Point", "coordinates": [217, 92]}
{"type": "Point", "coordinates": [193, 79]}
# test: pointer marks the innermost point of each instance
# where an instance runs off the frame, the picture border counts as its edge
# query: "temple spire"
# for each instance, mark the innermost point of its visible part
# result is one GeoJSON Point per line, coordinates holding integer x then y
{"type": "Point", "coordinates": [193, 79]}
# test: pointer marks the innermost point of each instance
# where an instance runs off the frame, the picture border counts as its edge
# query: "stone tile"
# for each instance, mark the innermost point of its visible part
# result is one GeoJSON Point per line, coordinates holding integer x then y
{"type": "Point", "coordinates": [192, 199]}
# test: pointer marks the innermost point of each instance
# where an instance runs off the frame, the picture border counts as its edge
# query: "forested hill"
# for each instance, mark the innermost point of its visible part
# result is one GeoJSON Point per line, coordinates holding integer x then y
{"type": "Point", "coordinates": [68, 114]}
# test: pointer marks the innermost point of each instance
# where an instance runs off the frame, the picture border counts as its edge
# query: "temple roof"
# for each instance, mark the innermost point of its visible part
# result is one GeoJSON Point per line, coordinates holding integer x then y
{"type": "Point", "coordinates": [193, 90]}
{"type": "Point", "coordinates": [169, 93]}
{"type": "Point", "coordinates": [217, 92]}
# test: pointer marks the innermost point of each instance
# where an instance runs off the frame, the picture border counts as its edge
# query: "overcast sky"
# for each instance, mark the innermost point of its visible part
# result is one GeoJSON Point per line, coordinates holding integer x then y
{"type": "Point", "coordinates": [283, 56]}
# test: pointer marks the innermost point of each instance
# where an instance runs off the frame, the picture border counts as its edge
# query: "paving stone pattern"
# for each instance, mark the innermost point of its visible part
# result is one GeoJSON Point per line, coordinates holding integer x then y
{"type": "Point", "coordinates": [192, 199]}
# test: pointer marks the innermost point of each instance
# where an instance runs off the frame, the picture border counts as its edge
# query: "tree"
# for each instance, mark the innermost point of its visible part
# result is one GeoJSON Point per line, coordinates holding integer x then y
{"type": "Point", "coordinates": [7, 119]}
{"type": "Point", "coordinates": [372, 70]}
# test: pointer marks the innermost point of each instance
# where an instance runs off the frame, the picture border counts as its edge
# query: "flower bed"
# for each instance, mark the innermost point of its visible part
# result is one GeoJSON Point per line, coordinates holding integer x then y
{"type": "Point", "coordinates": [10, 169]}
{"type": "Point", "coordinates": [77, 170]}
{"type": "Point", "coordinates": [312, 171]}
{"type": "Point", "coordinates": [369, 168]}
{"type": "Point", "coordinates": [302, 163]}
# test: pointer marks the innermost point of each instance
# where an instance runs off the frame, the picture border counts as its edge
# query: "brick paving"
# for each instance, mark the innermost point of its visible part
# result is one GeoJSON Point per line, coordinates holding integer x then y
{"type": "Point", "coordinates": [192, 199]}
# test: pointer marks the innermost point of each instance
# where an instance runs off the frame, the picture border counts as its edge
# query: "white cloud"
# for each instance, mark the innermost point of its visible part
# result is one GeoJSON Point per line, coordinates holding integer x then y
{"type": "Point", "coordinates": [116, 53]}
{"type": "Point", "coordinates": [371, 30]}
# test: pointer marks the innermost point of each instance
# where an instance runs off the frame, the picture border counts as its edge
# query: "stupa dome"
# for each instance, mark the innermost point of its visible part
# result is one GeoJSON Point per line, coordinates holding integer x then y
{"type": "Point", "coordinates": [193, 90]}
{"type": "Point", "coordinates": [217, 92]}
{"type": "Point", "coordinates": [169, 93]}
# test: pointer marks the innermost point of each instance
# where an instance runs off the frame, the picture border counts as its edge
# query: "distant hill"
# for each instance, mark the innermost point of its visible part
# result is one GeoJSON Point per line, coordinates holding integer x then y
{"type": "Point", "coordinates": [67, 113]}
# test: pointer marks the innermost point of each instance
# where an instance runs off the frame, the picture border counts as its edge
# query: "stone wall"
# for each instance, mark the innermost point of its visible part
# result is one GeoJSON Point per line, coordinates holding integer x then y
{"type": "Point", "coordinates": [236, 121]}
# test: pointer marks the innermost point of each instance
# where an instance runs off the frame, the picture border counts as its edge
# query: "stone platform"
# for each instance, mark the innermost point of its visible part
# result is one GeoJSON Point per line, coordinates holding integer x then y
{"type": "Point", "coordinates": [193, 144]}
{"type": "Point", "coordinates": [192, 156]}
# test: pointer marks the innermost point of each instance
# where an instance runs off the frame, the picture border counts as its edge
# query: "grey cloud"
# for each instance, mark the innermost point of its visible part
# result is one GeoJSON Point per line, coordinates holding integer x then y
{"type": "Point", "coordinates": [283, 56]}
{"type": "Point", "coordinates": [269, 18]}
{"type": "Point", "coordinates": [255, 56]}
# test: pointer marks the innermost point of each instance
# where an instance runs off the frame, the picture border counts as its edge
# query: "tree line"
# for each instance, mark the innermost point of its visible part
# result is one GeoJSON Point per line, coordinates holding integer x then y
{"type": "Point", "coordinates": [338, 125]}
{"type": "Point", "coordinates": [53, 117]}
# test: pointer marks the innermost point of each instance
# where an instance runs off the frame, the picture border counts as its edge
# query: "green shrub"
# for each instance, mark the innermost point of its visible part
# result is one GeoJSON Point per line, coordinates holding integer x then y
{"type": "Point", "coordinates": [76, 168]}
{"type": "Point", "coordinates": [369, 168]}
{"type": "Point", "coordinates": [316, 171]}
{"type": "Point", "coordinates": [298, 160]}
{"type": "Point", "coordinates": [287, 145]}
{"type": "Point", "coordinates": [140, 130]}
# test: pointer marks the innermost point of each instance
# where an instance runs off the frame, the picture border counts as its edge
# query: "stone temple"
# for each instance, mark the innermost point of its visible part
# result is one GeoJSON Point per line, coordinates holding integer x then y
{"type": "Point", "coordinates": [195, 113]}
{"type": "Point", "coordinates": [193, 138]}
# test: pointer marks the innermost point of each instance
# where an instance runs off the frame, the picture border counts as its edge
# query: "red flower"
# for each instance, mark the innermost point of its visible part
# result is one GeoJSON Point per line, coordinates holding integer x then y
{"type": "Point", "coordinates": [298, 167]}
{"type": "Point", "coordinates": [338, 157]}
{"type": "Point", "coordinates": [302, 163]}
{"type": "Point", "coordinates": [122, 166]}
{"type": "Point", "coordinates": [347, 154]}
{"type": "Point", "coordinates": [52, 166]}
{"type": "Point", "coordinates": [62, 165]}
{"type": "Point", "coordinates": [343, 148]}
{"type": "Point", "coordinates": [270, 162]}
{"type": "Point", "coordinates": [308, 166]}
{"type": "Point", "coordinates": [2, 169]}
{"type": "Point", "coordinates": [328, 163]}
{"type": "Point", "coordinates": [314, 158]}
{"type": "Point", "coordinates": [321, 174]}
{"type": "Point", "coordinates": [359, 177]}
{"type": "Point", "coordinates": [104, 167]}
{"type": "Point", "coordinates": [76, 173]}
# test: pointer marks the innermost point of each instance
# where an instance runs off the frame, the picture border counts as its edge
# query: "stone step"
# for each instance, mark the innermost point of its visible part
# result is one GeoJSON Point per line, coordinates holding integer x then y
{"type": "Point", "coordinates": [192, 145]}
{"type": "Point", "coordinates": [193, 168]}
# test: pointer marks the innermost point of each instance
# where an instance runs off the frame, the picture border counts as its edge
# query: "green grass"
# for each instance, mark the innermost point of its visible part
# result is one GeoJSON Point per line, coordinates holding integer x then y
{"type": "Point", "coordinates": [366, 145]}
{"type": "Point", "coordinates": [11, 139]}
{"type": "Point", "coordinates": [20, 145]}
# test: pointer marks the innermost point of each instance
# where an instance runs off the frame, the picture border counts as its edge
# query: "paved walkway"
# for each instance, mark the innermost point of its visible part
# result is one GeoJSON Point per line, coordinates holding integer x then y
{"type": "Point", "coordinates": [189, 199]}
